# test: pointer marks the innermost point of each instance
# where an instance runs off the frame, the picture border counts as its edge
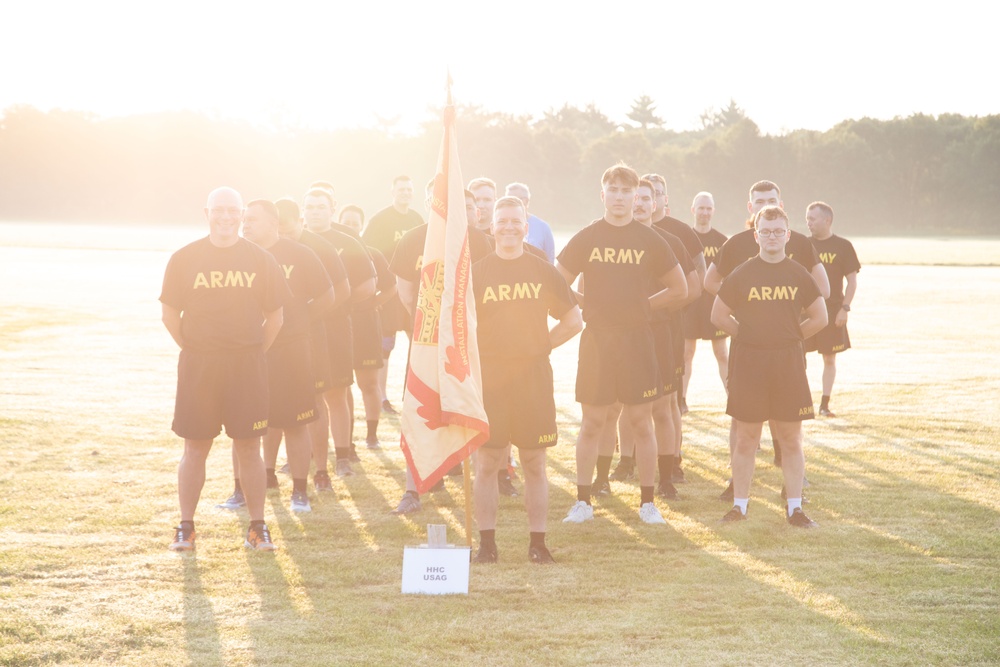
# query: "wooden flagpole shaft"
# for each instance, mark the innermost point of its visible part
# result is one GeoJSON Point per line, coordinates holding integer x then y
{"type": "Point", "coordinates": [467, 486]}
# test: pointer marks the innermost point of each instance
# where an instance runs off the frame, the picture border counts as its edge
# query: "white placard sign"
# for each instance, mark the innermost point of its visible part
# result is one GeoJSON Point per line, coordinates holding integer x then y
{"type": "Point", "coordinates": [436, 571]}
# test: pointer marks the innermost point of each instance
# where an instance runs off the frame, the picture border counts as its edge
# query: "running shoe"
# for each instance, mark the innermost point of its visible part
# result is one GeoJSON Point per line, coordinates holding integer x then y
{"type": "Point", "coordinates": [409, 503]}
{"type": "Point", "coordinates": [322, 481]}
{"type": "Point", "coordinates": [354, 458]}
{"type": "Point", "coordinates": [650, 514]}
{"type": "Point", "coordinates": [183, 539]}
{"type": "Point", "coordinates": [387, 408]}
{"type": "Point", "coordinates": [233, 502]}
{"type": "Point", "coordinates": [259, 539]}
{"type": "Point", "coordinates": [579, 512]}
{"type": "Point", "coordinates": [300, 502]}
{"type": "Point", "coordinates": [373, 443]}
{"type": "Point", "coordinates": [506, 487]}
{"type": "Point", "coordinates": [825, 412]}
{"type": "Point", "coordinates": [624, 471]}
{"type": "Point", "coordinates": [343, 468]}
{"type": "Point", "coordinates": [734, 515]}
{"type": "Point", "coordinates": [539, 555]}
{"type": "Point", "coordinates": [727, 495]}
{"type": "Point", "coordinates": [485, 554]}
{"type": "Point", "coordinates": [666, 490]}
{"type": "Point", "coordinates": [800, 520]}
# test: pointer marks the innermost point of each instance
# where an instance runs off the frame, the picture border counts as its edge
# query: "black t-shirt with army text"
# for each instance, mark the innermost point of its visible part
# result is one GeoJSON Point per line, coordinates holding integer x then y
{"type": "Point", "coordinates": [742, 246]}
{"type": "Point", "coordinates": [619, 266]}
{"type": "Point", "coordinates": [386, 228]}
{"type": "Point", "coordinates": [408, 259]}
{"type": "Point", "coordinates": [307, 279]}
{"type": "Point", "coordinates": [687, 266]}
{"type": "Point", "coordinates": [223, 294]}
{"type": "Point", "coordinates": [839, 259]}
{"type": "Point", "coordinates": [682, 231]}
{"type": "Point", "coordinates": [767, 300]}
{"type": "Point", "coordinates": [514, 298]}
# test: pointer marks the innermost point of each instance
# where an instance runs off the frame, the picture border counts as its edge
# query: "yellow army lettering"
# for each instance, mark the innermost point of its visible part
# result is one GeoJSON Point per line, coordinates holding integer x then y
{"type": "Point", "coordinates": [288, 268]}
{"type": "Point", "coordinates": [805, 411]}
{"type": "Point", "coordinates": [776, 293]}
{"type": "Point", "coordinates": [827, 257]}
{"type": "Point", "coordinates": [616, 255]}
{"type": "Point", "coordinates": [547, 438]}
{"type": "Point", "coordinates": [420, 262]}
{"type": "Point", "coordinates": [710, 251]}
{"type": "Point", "coordinates": [216, 279]}
{"type": "Point", "coordinates": [649, 393]}
{"type": "Point", "coordinates": [515, 292]}
{"type": "Point", "coordinates": [370, 362]}
{"type": "Point", "coordinates": [839, 348]}
{"type": "Point", "coordinates": [302, 416]}
{"type": "Point", "coordinates": [398, 235]}
{"type": "Point", "coordinates": [260, 426]}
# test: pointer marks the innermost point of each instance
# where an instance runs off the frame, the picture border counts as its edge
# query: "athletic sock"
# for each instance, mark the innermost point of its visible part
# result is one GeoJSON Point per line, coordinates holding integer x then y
{"type": "Point", "coordinates": [665, 464]}
{"type": "Point", "coordinates": [187, 524]}
{"type": "Point", "coordinates": [487, 538]}
{"type": "Point", "coordinates": [342, 453]}
{"type": "Point", "coordinates": [236, 486]}
{"type": "Point", "coordinates": [536, 539]}
{"type": "Point", "coordinates": [321, 472]}
{"type": "Point", "coordinates": [603, 468]}
{"type": "Point", "coordinates": [300, 485]}
{"type": "Point", "coordinates": [413, 493]}
{"type": "Point", "coordinates": [257, 524]}
{"type": "Point", "coordinates": [794, 504]}
{"type": "Point", "coordinates": [825, 402]}
{"type": "Point", "coordinates": [646, 494]}
{"type": "Point", "coordinates": [583, 492]}
{"type": "Point", "coordinates": [372, 429]}
{"type": "Point", "coordinates": [741, 503]}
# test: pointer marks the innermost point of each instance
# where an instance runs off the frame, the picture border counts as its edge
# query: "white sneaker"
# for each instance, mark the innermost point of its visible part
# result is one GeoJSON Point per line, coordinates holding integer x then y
{"type": "Point", "coordinates": [300, 503]}
{"type": "Point", "coordinates": [579, 513]}
{"type": "Point", "coordinates": [649, 514]}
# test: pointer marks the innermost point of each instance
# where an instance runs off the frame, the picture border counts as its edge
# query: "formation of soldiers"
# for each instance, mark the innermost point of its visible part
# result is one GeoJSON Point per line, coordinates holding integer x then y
{"type": "Point", "coordinates": [275, 325]}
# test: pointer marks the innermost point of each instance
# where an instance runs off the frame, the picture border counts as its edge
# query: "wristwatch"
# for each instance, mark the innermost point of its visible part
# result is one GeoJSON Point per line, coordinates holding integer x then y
{"type": "Point", "coordinates": [845, 308]}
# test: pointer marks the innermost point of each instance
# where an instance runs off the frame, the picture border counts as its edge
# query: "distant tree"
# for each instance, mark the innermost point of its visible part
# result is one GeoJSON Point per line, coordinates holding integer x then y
{"type": "Point", "coordinates": [588, 124]}
{"type": "Point", "coordinates": [644, 112]}
{"type": "Point", "coordinates": [728, 116]}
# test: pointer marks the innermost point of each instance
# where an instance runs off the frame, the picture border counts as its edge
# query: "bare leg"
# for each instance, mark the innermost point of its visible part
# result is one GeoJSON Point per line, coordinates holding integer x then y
{"type": "Point", "coordinates": [191, 476]}
{"type": "Point", "coordinates": [320, 436]}
{"type": "Point", "coordinates": [689, 347]}
{"type": "Point", "coordinates": [536, 488]}
{"type": "Point", "coordinates": [829, 373]}
{"type": "Point", "coordinates": [587, 443]}
{"type": "Point", "coordinates": [793, 462]}
{"type": "Point", "coordinates": [298, 445]}
{"type": "Point", "coordinates": [722, 358]}
{"type": "Point", "coordinates": [340, 419]}
{"type": "Point", "coordinates": [609, 435]}
{"type": "Point", "coordinates": [252, 478]}
{"type": "Point", "coordinates": [485, 489]}
{"type": "Point", "coordinates": [641, 420]}
{"type": "Point", "coordinates": [272, 443]}
{"type": "Point", "coordinates": [745, 456]}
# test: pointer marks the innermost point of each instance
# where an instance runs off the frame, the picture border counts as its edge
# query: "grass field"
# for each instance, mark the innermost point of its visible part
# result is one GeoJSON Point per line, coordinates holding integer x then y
{"type": "Point", "coordinates": [903, 570]}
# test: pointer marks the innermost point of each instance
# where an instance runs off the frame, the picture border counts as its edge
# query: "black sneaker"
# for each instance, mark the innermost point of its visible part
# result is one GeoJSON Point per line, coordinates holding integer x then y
{"type": "Point", "coordinates": [259, 539]}
{"type": "Point", "coordinates": [727, 495]}
{"type": "Point", "coordinates": [485, 554]}
{"type": "Point", "coordinates": [354, 458]}
{"type": "Point", "coordinates": [506, 487]}
{"type": "Point", "coordinates": [800, 520]}
{"type": "Point", "coordinates": [624, 471]}
{"type": "Point", "coordinates": [343, 468]}
{"type": "Point", "coordinates": [410, 502]}
{"type": "Point", "coordinates": [666, 490]}
{"type": "Point", "coordinates": [387, 408]}
{"type": "Point", "coordinates": [322, 481]}
{"type": "Point", "coordinates": [272, 480]}
{"type": "Point", "coordinates": [183, 539]}
{"type": "Point", "coordinates": [373, 443]}
{"type": "Point", "coordinates": [784, 495]}
{"type": "Point", "coordinates": [539, 555]}
{"type": "Point", "coordinates": [604, 490]}
{"type": "Point", "coordinates": [734, 515]}
{"type": "Point", "coordinates": [824, 411]}
{"type": "Point", "coordinates": [677, 475]}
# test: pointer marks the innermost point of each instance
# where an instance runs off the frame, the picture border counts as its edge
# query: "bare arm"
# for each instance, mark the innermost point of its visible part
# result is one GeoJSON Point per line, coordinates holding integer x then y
{"type": "Point", "coordinates": [272, 325]}
{"type": "Point", "coordinates": [675, 291]}
{"type": "Point", "coordinates": [822, 280]}
{"type": "Point", "coordinates": [713, 279]}
{"type": "Point", "coordinates": [407, 290]}
{"type": "Point", "coordinates": [384, 296]}
{"type": "Point", "coordinates": [694, 281]}
{"type": "Point", "coordinates": [722, 317]}
{"type": "Point", "coordinates": [570, 278]}
{"type": "Point", "coordinates": [363, 291]}
{"type": "Point", "coordinates": [321, 305]}
{"type": "Point", "coordinates": [699, 266]}
{"type": "Point", "coordinates": [815, 319]}
{"type": "Point", "coordinates": [852, 287]}
{"type": "Point", "coordinates": [172, 321]}
{"type": "Point", "coordinates": [569, 325]}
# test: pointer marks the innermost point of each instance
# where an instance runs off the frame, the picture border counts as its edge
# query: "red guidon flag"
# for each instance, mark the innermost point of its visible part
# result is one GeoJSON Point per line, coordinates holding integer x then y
{"type": "Point", "coordinates": [443, 419]}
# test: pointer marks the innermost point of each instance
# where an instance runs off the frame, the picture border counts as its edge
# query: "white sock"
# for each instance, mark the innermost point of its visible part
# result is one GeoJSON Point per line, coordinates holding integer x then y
{"type": "Point", "coordinates": [794, 504]}
{"type": "Point", "coordinates": [741, 503]}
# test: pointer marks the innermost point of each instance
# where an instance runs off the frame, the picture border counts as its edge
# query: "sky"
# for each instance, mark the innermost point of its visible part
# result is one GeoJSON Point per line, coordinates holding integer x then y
{"type": "Point", "coordinates": [789, 65]}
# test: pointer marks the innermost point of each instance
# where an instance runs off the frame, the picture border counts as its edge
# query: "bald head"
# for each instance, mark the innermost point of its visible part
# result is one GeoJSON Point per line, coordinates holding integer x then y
{"type": "Point", "coordinates": [703, 208]}
{"type": "Point", "coordinates": [224, 193]}
{"type": "Point", "coordinates": [224, 210]}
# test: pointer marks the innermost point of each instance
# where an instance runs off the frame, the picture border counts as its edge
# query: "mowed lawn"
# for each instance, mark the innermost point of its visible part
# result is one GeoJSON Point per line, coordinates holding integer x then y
{"type": "Point", "coordinates": [903, 570]}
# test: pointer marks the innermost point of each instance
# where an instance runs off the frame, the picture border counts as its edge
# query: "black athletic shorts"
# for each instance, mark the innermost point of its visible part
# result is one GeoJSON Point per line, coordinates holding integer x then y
{"type": "Point", "coordinates": [698, 321]}
{"type": "Point", "coordinates": [663, 340]}
{"type": "Point", "coordinates": [221, 389]}
{"type": "Point", "coordinates": [767, 384]}
{"type": "Point", "coordinates": [831, 339]}
{"type": "Point", "coordinates": [617, 365]}
{"type": "Point", "coordinates": [320, 356]}
{"type": "Point", "coordinates": [519, 402]}
{"type": "Point", "coordinates": [367, 339]}
{"type": "Point", "coordinates": [340, 349]}
{"type": "Point", "coordinates": [291, 385]}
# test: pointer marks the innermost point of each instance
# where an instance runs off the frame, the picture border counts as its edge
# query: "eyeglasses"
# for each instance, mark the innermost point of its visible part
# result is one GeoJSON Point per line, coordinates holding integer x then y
{"type": "Point", "coordinates": [776, 233]}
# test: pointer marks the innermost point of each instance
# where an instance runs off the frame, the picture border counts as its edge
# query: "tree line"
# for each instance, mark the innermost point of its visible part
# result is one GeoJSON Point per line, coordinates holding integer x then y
{"type": "Point", "coordinates": [906, 176]}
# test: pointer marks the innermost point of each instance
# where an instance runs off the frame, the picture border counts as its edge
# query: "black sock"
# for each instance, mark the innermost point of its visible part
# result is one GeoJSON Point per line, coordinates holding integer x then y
{"type": "Point", "coordinates": [825, 402]}
{"type": "Point", "coordinates": [372, 429]}
{"type": "Point", "coordinates": [236, 487]}
{"type": "Point", "coordinates": [645, 494]}
{"type": "Point", "coordinates": [603, 468]}
{"type": "Point", "coordinates": [187, 524]}
{"type": "Point", "coordinates": [413, 493]}
{"type": "Point", "coordinates": [665, 464]}
{"type": "Point", "coordinates": [583, 492]}
{"type": "Point", "coordinates": [343, 454]}
{"type": "Point", "coordinates": [299, 485]}
{"type": "Point", "coordinates": [536, 539]}
{"type": "Point", "coordinates": [257, 524]}
{"type": "Point", "coordinates": [502, 474]}
{"type": "Point", "coordinates": [321, 473]}
{"type": "Point", "coordinates": [487, 538]}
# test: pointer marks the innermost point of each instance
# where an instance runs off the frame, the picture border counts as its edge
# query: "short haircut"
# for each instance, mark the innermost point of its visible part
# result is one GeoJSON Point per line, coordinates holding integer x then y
{"type": "Point", "coordinates": [288, 210]}
{"type": "Point", "coordinates": [325, 185]}
{"type": "Point", "coordinates": [480, 182]}
{"type": "Point", "coordinates": [621, 172]}
{"type": "Point", "coordinates": [823, 206]}
{"type": "Point", "coordinates": [352, 207]}
{"type": "Point", "coordinates": [520, 186]}
{"type": "Point", "coordinates": [647, 183]}
{"type": "Point", "coordinates": [267, 205]}
{"type": "Point", "coordinates": [468, 195]}
{"type": "Point", "coordinates": [703, 193]}
{"type": "Point", "coordinates": [770, 213]}
{"type": "Point", "coordinates": [401, 177]}
{"type": "Point", "coordinates": [320, 192]}
{"type": "Point", "coordinates": [656, 178]}
{"type": "Point", "coordinates": [764, 186]}
{"type": "Point", "coordinates": [510, 201]}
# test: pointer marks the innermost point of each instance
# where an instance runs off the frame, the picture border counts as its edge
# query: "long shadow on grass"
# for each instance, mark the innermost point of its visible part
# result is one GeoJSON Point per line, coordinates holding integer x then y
{"type": "Point", "coordinates": [201, 632]}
